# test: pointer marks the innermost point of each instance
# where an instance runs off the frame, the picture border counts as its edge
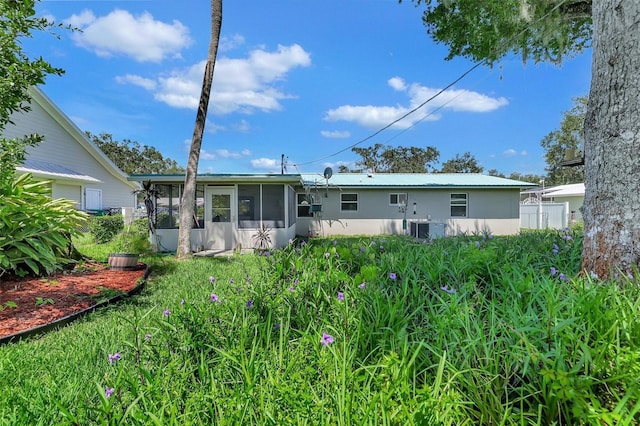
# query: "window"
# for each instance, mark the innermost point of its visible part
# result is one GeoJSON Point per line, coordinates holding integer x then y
{"type": "Point", "coordinates": [303, 202]}
{"type": "Point", "coordinates": [261, 203]}
{"type": "Point", "coordinates": [273, 206]}
{"type": "Point", "coordinates": [459, 205]}
{"type": "Point", "coordinates": [168, 206]}
{"type": "Point", "coordinates": [249, 206]}
{"type": "Point", "coordinates": [398, 199]}
{"type": "Point", "coordinates": [349, 202]}
{"type": "Point", "coordinates": [291, 207]}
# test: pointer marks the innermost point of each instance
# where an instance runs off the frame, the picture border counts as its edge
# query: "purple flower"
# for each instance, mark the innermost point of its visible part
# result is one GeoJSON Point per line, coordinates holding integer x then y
{"type": "Point", "coordinates": [147, 336]}
{"type": "Point", "coordinates": [490, 236]}
{"type": "Point", "coordinates": [167, 312]}
{"type": "Point", "coordinates": [212, 280]}
{"type": "Point", "coordinates": [326, 339]}
{"type": "Point", "coordinates": [276, 326]}
{"type": "Point", "coordinates": [327, 255]}
{"type": "Point", "coordinates": [249, 303]}
{"type": "Point", "coordinates": [303, 243]}
{"type": "Point", "coordinates": [556, 249]}
{"type": "Point", "coordinates": [296, 281]}
{"type": "Point", "coordinates": [447, 289]}
{"type": "Point", "coordinates": [363, 285]}
{"type": "Point", "coordinates": [563, 277]}
{"type": "Point", "coordinates": [115, 357]}
{"type": "Point", "coordinates": [291, 289]}
{"type": "Point", "coordinates": [340, 296]}
{"type": "Point", "coordinates": [554, 271]}
{"type": "Point", "coordinates": [567, 237]}
{"type": "Point", "coordinates": [108, 391]}
{"type": "Point", "coordinates": [182, 302]}
{"type": "Point", "coordinates": [393, 276]}
{"type": "Point", "coordinates": [362, 249]}
{"type": "Point", "coordinates": [231, 280]}
{"type": "Point", "coordinates": [335, 242]}
{"type": "Point", "coordinates": [214, 297]}
{"type": "Point", "coordinates": [290, 241]}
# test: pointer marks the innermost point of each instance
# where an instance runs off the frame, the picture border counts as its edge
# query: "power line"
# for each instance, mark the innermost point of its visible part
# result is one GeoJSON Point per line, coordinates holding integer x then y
{"type": "Point", "coordinates": [463, 75]}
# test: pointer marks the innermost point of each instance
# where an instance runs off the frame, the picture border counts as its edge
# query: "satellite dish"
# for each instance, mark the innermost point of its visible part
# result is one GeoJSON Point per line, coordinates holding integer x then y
{"type": "Point", "coordinates": [328, 173]}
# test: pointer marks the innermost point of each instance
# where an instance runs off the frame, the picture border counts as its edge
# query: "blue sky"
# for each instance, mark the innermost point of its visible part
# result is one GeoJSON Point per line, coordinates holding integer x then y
{"type": "Point", "coordinates": [306, 79]}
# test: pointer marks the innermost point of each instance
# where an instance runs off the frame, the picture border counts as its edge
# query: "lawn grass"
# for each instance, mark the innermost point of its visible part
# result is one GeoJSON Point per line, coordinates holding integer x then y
{"type": "Point", "coordinates": [389, 330]}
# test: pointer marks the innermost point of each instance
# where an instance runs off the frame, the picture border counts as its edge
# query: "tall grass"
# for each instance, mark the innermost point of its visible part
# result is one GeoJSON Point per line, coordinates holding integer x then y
{"type": "Point", "coordinates": [466, 330]}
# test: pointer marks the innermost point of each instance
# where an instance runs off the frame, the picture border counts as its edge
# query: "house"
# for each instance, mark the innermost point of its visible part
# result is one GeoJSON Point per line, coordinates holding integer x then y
{"type": "Point", "coordinates": [78, 169]}
{"type": "Point", "coordinates": [572, 194]}
{"type": "Point", "coordinates": [230, 208]}
{"type": "Point", "coordinates": [552, 207]}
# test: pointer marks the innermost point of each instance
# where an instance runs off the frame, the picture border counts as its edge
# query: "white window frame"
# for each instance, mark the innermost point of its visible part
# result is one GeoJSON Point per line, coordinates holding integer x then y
{"type": "Point", "coordinates": [459, 202]}
{"type": "Point", "coordinates": [401, 199]}
{"type": "Point", "coordinates": [344, 202]}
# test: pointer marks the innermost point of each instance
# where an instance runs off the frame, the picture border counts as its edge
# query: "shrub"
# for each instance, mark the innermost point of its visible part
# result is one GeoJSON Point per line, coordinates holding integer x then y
{"type": "Point", "coordinates": [35, 230]}
{"type": "Point", "coordinates": [104, 228]}
{"type": "Point", "coordinates": [134, 239]}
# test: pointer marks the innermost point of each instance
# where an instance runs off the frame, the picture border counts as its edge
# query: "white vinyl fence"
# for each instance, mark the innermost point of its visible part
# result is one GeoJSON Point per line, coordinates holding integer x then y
{"type": "Point", "coordinates": [544, 215]}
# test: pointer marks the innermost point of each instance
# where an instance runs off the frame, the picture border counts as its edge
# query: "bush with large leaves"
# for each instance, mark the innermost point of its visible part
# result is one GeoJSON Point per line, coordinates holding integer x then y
{"type": "Point", "coordinates": [35, 230]}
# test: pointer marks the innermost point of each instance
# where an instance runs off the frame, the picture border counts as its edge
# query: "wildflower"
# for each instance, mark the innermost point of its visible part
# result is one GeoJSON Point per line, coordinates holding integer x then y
{"type": "Point", "coordinates": [556, 249]}
{"type": "Point", "coordinates": [214, 297]}
{"type": "Point", "coordinates": [115, 357]}
{"type": "Point", "coordinates": [563, 277]}
{"type": "Point", "coordinates": [290, 240]}
{"type": "Point", "coordinates": [303, 243]}
{"type": "Point", "coordinates": [567, 237]}
{"type": "Point", "coordinates": [231, 280]}
{"type": "Point", "coordinates": [326, 339]}
{"type": "Point", "coordinates": [447, 289]}
{"type": "Point", "coordinates": [182, 302]}
{"type": "Point", "coordinates": [108, 391]}
{"type": "Point", "coordinates": [340, 296]}
{"type": "Point", "coordinates": [335, 242]}
{"type": "Point", "coordinates": [167, 312]}
{"type": "Point", "coordinates": [554, 271]}
{"type": "Point", "coordinates": [147, 336]}
{"type": "Point", "coordinates": [362, 249]}
{"type": "Point", "coordinates": [490, 236]}
{"type": "Point", "coordinates": [248, 279]}
{"type": "Point", "coordinates": [363, 285]}
{"type": "Point", "coordinates": [393, 276]}
{"type": "Point", "coordinates": [249, 303]}
{"type": "Point", "coordinates": [212, 280]}
{"type": "Point", "coordinates": [326, 255]}
{"type": "Point", "coordinates": [296, 281]}
{"type": "Point", "coordinates": [276, 326]}
{"type": "Point", "coordinates": [291, 289]}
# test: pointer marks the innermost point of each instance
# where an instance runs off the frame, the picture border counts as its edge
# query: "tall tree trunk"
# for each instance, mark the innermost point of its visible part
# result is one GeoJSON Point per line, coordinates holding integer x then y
{"type": "Point", "coordinates": [612, 142]}
{"type": "Point", "coordinates": [189, 191]}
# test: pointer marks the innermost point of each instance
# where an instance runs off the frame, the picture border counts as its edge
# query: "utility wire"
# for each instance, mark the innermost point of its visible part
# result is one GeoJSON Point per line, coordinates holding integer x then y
{"type": "Point", "coordinates": [463, 75]}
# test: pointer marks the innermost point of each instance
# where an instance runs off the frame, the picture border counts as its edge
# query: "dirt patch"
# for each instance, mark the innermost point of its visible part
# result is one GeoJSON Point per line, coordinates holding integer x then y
{"type": "Point", "coordinates": [33, 302]}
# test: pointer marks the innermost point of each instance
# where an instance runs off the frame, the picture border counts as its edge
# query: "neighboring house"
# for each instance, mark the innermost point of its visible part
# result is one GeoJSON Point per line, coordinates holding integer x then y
{"type": "Point", "coordinates": [78, 169]}
{"type": "Point", "coordinates": [230, 208]}
{"type": "Point", "coordinates": [552, 207]}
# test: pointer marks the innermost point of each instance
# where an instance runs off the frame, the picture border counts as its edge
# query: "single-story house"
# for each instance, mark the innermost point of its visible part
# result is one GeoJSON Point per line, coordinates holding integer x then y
{"type": "Point", "coordinates": [78, 169]}
{"type": "Point", "coordinates": [230, 208]}
{"type": "Point", "coordinates": [572, 194]}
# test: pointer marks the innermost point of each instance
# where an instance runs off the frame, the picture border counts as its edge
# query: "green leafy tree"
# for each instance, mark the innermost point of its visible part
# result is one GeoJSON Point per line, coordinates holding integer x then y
{"type": "Point", "coordinates": [569, 137]}
{"type": "Point", "coordinates": [466, 163]}
{"type": "Point", "coordinates": [35, 230]}
{"type": "Point", "coordinates": [549, 30]}
{"type": "Point", "coordinates": [531, 178]}
{"type": "Point", "coordinates": [189, 195]}
{"type": "Point", "coordinates": [495, 172]}
{"type": "Point", "coordinates": [381, 159]}
{"type": "Point", "coordinates": [133, 158]}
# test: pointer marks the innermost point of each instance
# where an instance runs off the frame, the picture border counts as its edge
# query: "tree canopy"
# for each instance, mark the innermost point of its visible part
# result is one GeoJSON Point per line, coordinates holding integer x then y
{"type": "Point", "coordinates": [487, 30]}
{"type": "Point", "coordinates": [466, 163]}
{"type": "Point", "coordinates": [133, 158]}
{"type": "Point", "coordinates": [389, 159]}
{"type": "Point", "coordinates": [570, 136]}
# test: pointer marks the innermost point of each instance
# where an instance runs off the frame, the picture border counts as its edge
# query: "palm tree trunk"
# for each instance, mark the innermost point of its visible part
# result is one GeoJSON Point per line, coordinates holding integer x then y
{"type": "Point", "coordinates": [188, 193]}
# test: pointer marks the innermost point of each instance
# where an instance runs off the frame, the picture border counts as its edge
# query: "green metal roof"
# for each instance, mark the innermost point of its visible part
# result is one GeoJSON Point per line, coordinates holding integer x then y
{"type": "Point", "coordinates": [423, 180]}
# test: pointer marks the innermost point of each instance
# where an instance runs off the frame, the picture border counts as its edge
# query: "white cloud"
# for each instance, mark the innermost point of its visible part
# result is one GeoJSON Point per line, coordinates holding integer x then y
{"type": "Point", "coordinates": [335, 134]}
{"type": "Point", "coordinates": [240, 85]}
{"type": "Point", "coordinates": [136, 80]}
{"type": "Point", "coordinates": [524, 153]}
{"type": "Point", "coordinates": [510, 153]}
{"type": "Point", "coordinates": [225, 153]}
{"type": "Point", "coordinates": [265, 163]}
{"type": "Point", "coordinates": [141, 38]}
{"type": "Point", "coordinates": [230, 43]}
{"type": "Point", "coordinates": [379, 116]}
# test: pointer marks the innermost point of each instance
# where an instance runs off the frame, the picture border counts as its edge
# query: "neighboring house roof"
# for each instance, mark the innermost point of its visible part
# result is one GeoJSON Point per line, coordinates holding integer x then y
{"type": "Point", "coordinates": [418, 180]}
{"type": "Point", "coordinates": [38, 96]}
{"type": "Point", "coordinates": [47, 170]}
{"type": "Point", "coordinates": [571, 190]}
